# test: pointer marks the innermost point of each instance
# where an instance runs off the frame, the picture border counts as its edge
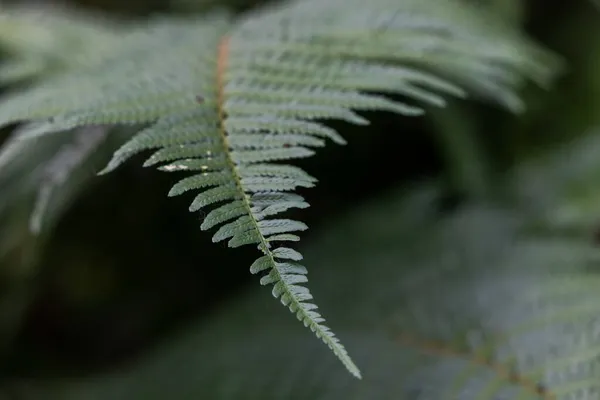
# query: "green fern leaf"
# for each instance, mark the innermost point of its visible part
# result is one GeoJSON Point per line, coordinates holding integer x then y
{"type": "Point", "coordinates": [227, 99]}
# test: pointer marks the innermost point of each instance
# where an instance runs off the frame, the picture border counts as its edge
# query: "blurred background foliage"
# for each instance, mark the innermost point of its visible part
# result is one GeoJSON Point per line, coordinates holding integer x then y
{"type": "Point", "coordinates": [125, 271]}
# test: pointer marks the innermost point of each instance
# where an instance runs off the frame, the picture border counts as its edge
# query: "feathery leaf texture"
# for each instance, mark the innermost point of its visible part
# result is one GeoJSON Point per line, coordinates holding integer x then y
{"type": "Point", "coordinates": [228, 100]}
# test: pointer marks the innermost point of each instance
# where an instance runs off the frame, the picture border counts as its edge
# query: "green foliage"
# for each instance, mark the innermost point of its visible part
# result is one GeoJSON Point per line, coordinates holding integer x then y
{"type": "Point", "coordinates": [557, 186]}
{"type": "Point", "coordinates": [41, 41]}
{"type": "Point", "coordinates": [228, 98]}
{"type": "Point", "coordinates": [470, 305]}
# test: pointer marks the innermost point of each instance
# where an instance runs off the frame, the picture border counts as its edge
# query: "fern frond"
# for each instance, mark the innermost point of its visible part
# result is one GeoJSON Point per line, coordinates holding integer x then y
{"type": "Point", "coordinates": [229, 99]}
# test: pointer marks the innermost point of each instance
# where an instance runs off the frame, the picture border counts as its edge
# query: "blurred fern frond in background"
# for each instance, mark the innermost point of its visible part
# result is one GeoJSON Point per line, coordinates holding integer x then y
{"type": "Point", "coordinates": [239, 98]}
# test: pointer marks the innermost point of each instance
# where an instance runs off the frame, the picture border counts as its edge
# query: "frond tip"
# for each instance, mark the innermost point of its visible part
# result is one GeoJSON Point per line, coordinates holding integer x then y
{"type": "Point", "coordinates": [264, 195]}
{"type": "Point", "coordinates": [285, 275]}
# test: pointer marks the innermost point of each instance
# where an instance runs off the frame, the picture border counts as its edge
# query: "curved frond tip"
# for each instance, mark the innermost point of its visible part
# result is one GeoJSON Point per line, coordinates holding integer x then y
{"type": "Point", "coordinates": [285, 273]}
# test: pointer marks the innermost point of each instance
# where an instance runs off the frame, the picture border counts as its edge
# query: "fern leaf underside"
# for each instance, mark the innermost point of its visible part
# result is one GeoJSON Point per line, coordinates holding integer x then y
{"type": "Point", "coordinates": [229, 100]}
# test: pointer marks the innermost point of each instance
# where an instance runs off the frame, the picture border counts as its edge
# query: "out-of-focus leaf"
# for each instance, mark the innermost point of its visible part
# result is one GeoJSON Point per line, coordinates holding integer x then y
{"type": "Point", "coordinates": [562, 188]}
{"type": "Point", "coordinates": [512, 11]}
{"type": "Point", "coordinates": [48, 39]}
{"type": "Point", "coordinates": [47, 177]}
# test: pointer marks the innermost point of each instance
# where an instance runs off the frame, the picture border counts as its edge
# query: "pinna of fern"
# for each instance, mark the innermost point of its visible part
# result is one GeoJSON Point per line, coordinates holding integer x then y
{"type": "Point", "coordinates": [228, 100]}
